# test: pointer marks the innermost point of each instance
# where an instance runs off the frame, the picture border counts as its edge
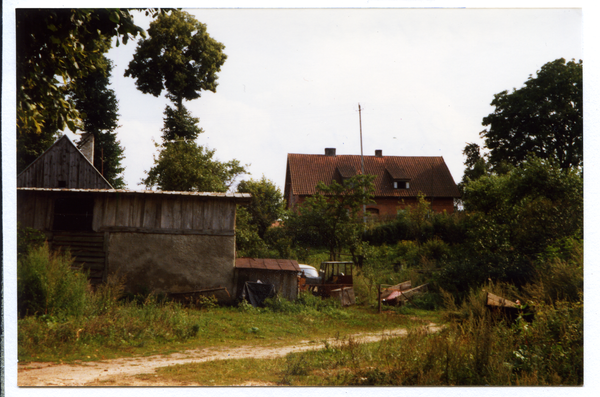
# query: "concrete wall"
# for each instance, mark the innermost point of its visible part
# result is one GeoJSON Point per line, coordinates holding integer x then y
{"type": "Point", "coordinates": [173, 262]}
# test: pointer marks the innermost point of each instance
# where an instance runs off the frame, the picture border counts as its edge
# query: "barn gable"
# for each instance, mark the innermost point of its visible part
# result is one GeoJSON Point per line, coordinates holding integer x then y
{"type": "Point", "coordinates": [62, 166]}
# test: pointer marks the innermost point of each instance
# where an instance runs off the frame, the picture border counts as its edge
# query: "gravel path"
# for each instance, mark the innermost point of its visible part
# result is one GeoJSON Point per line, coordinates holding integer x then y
{"type": "Point", "coordinates": [118, 370]}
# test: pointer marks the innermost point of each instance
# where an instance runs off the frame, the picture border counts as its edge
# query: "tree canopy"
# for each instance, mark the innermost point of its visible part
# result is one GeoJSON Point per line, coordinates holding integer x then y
{"type": "Point", "coordinates": [267, 203]}
{"type": "Point", "coordinates": [186, 166]}
{"type": "Point", "coordinates": [330, 218]}
{"type": "Point", "coordinates": [63, 44]}
{"type": "Point", "coordinates": [179, 57]}
{"type": "Point", "coordinates": [545, 118]}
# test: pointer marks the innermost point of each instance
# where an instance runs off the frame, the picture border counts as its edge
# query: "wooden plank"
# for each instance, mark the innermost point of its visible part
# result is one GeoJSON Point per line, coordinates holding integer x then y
{"type": "Point", "coordinates": [149, 213]}
{"type": "Point", "coordinates": [207, 232]}
{"type": "Point", "coordinates": [123, 208]}
{"type": "Point", "coordinates": [187, 213]}
{"type": "Point", "coordinates": [176, 220]}
{"type": "Point", "coordinates": [198, 214]}
{"type": "Point", "coordinates": [166, 213]}
{"type": "Point", "coordinates": [498, 301]}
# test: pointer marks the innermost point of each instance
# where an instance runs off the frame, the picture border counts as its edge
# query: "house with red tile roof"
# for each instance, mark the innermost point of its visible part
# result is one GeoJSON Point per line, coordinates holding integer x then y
{"type": "Point", "coordinates": [398, 179]}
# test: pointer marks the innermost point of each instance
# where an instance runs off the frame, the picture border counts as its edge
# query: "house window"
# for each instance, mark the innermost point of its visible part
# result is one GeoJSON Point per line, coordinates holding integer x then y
{"type": "Point", "coordinates": [401, 185]}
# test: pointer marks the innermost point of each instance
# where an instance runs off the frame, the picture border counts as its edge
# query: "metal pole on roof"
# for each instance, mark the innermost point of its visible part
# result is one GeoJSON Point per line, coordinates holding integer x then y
{"type": "Point", "coordinates": [362, 163]}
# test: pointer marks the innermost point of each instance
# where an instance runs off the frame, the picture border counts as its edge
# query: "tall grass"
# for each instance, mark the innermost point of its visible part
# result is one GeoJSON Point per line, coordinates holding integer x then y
{"type": "Point", "coordinates": [46, 284]}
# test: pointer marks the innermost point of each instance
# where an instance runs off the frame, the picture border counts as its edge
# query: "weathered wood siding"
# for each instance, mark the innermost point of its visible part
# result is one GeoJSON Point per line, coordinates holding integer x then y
{"type": "Point", "coordinates": [163, 214]}
{"type": "Point", "coordinates": [62, 162]}
{"type": "Point", "coordinates": [35, 209]}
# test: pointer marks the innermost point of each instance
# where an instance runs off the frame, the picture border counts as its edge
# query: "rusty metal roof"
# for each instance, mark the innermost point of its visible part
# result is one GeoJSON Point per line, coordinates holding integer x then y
{"type": "Point", "coordinates": [267, 264]}
{"type": "Point", "coordinates": [242, 196]}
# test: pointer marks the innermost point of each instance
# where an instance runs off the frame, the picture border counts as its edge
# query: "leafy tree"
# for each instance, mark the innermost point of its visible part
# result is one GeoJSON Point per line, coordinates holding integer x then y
{"type": "Point", "coordinates": [186, 166]}
{"type": "Point", "coordinates": [98, 107]}
{"type": "Point", "coordinates": [267, 203]}
{"type": "Point", "coordinates": [247, 241]}
{"type": "Point", "coordinates": [182, 59]}
{"type": "Point", "coordinates": [56, 48]}
{"type": "Point", "coordinates": [331, 217]}
{"type": "Point", "coordinates": [179, 124]}
{"type": "Point", "coordinates": [545, 118]}
{"type": "Point", "coordinates": [512, 219]}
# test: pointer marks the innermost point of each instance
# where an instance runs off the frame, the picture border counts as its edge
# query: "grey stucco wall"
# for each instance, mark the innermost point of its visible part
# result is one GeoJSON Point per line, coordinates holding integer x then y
{"type": "Point", "coordinates": [172, 262]}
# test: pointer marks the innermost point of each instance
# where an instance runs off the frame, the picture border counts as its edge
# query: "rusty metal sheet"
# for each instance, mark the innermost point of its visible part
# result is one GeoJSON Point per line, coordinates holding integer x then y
{"type": "Point", "coordinates": [267, 264]}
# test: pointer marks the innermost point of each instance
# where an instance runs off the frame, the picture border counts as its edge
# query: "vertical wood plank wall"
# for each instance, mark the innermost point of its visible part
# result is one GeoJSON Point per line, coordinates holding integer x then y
{"type": "Point", "coordinates": [62, 162]}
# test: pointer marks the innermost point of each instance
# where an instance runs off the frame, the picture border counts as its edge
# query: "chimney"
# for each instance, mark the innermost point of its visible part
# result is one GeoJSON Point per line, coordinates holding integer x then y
{"type": "Point", "coordinates": [378, 153]}
{"type": "Point", "coordinates": [86, 146]}
{"type": "Point", "coordinates": [330, 151]}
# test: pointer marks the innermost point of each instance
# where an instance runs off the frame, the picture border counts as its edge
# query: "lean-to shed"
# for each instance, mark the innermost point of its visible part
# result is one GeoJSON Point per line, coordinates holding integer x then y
{"type": "Point", "coordinates": [283, 273]}
{"type": "Point", "coordinates": [170, 242]}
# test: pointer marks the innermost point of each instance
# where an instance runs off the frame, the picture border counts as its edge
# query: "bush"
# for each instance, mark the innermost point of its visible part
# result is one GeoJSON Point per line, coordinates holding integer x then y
{"type": "Point", "coordinates": [46, 284]}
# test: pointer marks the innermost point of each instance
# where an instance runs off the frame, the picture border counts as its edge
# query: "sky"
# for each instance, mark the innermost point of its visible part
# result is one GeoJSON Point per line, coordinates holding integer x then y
{"type": "Point", "coordinates": [292, 84]}
{"type": "Point", "coordinates": [294, 79]}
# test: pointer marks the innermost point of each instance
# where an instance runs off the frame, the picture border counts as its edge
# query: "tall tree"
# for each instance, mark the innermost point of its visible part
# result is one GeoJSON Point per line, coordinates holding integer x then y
{"type": "Point", "coordinates": [56, 48]}
{"type": "Point", "coordinates": [545, 118]}
{"type": "Point", "coordinates": [98, 106]}
{"type": "Point", "coordinates": [331, 217]}
{"type": "Point", "coordinates": [180, 58]}
{"type": "Point", "coordinates": [267, 203]}
{"type": "Point", "coordinates": [186, 166]}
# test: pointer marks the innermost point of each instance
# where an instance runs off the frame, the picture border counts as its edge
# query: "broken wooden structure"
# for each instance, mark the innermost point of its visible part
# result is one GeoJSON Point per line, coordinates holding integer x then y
{"type": "Point", "coordinates": [400, 294]}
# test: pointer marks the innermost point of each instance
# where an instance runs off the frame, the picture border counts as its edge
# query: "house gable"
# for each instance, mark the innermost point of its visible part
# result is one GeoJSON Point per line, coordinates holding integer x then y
{"type": "Point", "coordinates": [64, 166]}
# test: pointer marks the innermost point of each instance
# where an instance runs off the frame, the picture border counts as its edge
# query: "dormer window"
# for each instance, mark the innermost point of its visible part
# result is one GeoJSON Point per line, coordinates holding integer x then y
{"type": "Point", "coordinates": [401, 185]}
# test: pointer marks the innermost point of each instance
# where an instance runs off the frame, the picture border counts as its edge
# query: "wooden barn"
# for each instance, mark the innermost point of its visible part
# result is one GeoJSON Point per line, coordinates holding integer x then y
{"type": "Point", "coordinates": [170, 242]}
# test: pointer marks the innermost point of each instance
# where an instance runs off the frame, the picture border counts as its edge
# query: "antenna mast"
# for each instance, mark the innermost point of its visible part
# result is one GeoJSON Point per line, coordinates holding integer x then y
{"type": "Point", "coordinates": [362, 164]}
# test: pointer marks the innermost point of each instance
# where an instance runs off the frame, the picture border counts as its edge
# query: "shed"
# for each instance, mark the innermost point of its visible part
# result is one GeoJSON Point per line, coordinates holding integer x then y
{"type": "Point", "coordinates": [170, 242]}
{"type": "Point", "coordinates": [283, 273]}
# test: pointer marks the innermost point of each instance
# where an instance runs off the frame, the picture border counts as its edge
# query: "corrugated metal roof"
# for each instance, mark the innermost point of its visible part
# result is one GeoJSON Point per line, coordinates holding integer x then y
{"type": "Point", "coordinates": [242, 196]}
{"type": "Point", "coordinates": [267, 264]}
{"type": "Point", "coordinates": [428, 175]}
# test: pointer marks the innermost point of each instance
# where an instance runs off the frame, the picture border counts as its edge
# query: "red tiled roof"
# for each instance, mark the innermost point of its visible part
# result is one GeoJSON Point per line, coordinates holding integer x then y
{"type": "Point", "coordinates": [428, 175]}
{"type": "Point", "coordinates": [267, 264]}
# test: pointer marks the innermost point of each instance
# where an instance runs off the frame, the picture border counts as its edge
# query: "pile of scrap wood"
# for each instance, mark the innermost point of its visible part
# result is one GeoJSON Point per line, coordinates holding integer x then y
{"type": "Point", "coordinates": [401, 293]}
{"type": "Point", "coordinates": [509, 309]}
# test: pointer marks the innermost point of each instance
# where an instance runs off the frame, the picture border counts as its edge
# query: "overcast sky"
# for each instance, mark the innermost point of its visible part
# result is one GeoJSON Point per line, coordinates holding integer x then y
{"type": "Point", "coordinates": [293, 80]}
{"type": "Point", "coordinates": [292, 83]}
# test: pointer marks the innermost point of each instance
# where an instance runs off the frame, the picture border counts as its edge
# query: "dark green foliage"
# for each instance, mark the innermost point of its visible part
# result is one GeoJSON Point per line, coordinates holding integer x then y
{"type": "Point", "coordinates": [187, 166]}
{"type": "Point", "coordinates": [420, 224]}
{"type": "Point", "coordinates": [98, 108]}
{"type": "Point", "coordinates": [46, 284]}
{"type": "Point", "coordinates": [267, 205]}
{"type": "Point", "coordinates": [56, 48]}
{"type": "Point", "coordinates": [545, 118]}
{"type": "Point", "coordinates": [179, 57]}
{"type": "Point", "coordinates": [247, 240]}
{"type": "Point", "coordinates": [180, 125]}
{"type": "Point", "coordinates": [330, 218]}
{"type": "Point", "coordinates": [27, 239]}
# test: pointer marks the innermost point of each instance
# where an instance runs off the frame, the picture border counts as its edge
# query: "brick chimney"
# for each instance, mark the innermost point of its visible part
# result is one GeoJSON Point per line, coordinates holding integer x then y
{"type": "Point", "coordinates": [86, 146]}
{"type": "Point", "coordinates": [378, 153]}
{"type": "Point", "coordinates": [330, 151]}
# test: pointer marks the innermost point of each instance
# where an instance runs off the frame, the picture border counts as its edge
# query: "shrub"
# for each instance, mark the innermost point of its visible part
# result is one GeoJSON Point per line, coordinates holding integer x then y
{"type": "Point", "coordinates": [46, 284]}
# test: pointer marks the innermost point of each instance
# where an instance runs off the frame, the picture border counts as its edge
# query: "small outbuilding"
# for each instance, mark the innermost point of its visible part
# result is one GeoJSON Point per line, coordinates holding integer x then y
{"type": "Point", "coordinates": [282, 273]}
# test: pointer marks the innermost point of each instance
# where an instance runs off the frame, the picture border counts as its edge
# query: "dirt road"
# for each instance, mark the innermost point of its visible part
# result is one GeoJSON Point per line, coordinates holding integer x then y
{"type": "Point", "coordinates": [122, 371]}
